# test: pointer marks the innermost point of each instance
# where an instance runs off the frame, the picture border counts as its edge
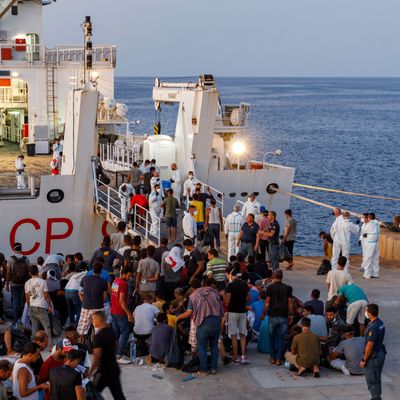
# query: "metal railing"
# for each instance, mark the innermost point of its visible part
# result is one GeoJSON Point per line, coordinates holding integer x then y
{"type": "Point", "coordinates": [109, 199]}
{"type": "Point", "coordinates": [218, 195]}
{"type": "Point", "coordinates": [10, 53]}
{"type": "Point", "coordinates": [12, 95]}
{"type": "Point", "coordinates": [147, 224]}
{"type": "Point", "coordinates": [102, 55]}
{"type": "Point", "coordinates": [116, 158]}
{"type": "Point", "coordinates": [9, 182]}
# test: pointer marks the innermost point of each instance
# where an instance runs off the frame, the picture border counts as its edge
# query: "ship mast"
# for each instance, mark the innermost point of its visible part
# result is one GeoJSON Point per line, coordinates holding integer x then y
{"type": "Point", "coordinates": [87, 50]}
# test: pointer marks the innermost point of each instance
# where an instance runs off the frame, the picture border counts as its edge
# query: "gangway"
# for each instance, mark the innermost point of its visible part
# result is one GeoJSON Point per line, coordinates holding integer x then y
{"type": "Point", "coordinates": [113, 207]}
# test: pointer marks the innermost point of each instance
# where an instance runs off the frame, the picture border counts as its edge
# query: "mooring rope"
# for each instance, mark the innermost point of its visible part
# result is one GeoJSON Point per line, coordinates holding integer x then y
{"type": "Point", "coordinates": [372, 196]}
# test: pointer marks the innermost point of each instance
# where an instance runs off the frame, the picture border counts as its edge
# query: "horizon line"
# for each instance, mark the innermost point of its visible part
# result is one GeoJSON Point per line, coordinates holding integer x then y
{"type": "Point", "coordinates": [270, 76]}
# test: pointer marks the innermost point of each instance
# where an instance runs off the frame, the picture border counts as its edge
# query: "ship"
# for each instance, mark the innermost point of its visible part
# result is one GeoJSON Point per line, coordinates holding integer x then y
{"type": "Point", "coordinates": [68, 92]}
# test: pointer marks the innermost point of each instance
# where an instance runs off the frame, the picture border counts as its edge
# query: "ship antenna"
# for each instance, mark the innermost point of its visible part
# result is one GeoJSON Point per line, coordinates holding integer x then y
{"type": "Point", "coordinates": [87, 49]}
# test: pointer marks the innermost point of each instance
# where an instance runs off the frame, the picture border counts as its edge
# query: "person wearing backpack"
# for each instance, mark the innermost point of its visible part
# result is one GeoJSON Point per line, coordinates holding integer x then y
{"type": "Point", "coordinates": [17, 274]}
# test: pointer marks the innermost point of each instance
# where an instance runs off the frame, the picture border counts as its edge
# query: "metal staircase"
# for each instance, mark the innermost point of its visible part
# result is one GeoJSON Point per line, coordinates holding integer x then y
{"type": "Point", "coordinates": [52, 113]}
{"type": "Point", "coordinates": [5, 5]}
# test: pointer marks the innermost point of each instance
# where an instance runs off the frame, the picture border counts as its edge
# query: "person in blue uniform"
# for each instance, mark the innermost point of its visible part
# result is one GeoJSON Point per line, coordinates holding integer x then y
{"type": "Point", "coordinates": [374, 352]}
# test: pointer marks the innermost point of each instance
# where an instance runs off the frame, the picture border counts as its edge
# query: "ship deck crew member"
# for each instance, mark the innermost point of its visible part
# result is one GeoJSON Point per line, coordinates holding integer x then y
{"type": "Point", "coordinates": [176, 181]}
{"type": "Point", "coordinates": [20, 167]}
{"type": "Point", "coordinates": [232, 227]}
{"type": "Point", "coordinates": [371, 248]}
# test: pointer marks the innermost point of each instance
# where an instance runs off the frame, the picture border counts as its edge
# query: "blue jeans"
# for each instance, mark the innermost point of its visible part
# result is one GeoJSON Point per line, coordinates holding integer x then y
{"type": "Point", "coordinates": [274, 255]}
{"type": "Point", "coordinates": [373, 373]}
{"type": "Point", "coordinates": [18, 301]}
{"type": "Point", "coordinates": [122, 329]}
{"type": "Point", "coordinates": [208, 332]}
{"type": "Point", "coordinates": [246, 249]}
{"type": "Point", "coordinates": [277, 327]}
{"type": "Point", "coordinates": [213, 233]}
{"type": "Point", "coordinates": [74, 306]}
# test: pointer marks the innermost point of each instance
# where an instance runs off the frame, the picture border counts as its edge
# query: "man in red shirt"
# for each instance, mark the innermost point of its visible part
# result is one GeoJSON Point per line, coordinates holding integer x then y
{"type": "Point", "coordinates": [141, 201]}
{"type": "Point", "coordinates": [120, 313]}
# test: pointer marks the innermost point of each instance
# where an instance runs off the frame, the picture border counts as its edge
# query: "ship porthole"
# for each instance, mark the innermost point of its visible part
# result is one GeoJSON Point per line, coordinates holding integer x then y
{"type": "Point", "coordinates": [232, 194]}
{"type": "Point", "coordinates": [272, 188]}
{"type": "Point", "coordinates": [244, 194]}
{"type": "Point", "coordinates": [55, 196]}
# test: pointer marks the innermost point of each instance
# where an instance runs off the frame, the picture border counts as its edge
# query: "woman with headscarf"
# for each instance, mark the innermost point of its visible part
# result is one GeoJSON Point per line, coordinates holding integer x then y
{"type": "Point", "coordinates": [172, 265]}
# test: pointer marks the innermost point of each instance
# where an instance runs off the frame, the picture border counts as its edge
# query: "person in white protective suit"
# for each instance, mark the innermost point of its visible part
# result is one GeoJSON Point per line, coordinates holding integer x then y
{"type": "Point", "coordinates": [233, 225]}
{"type": "Point", "coordinates": [189, 187]}
{"type": "Point", "coordinates": [252, 206]}
{"type": "Point", "coordinates": [176, 181]}
{"type": "Point", "coordinates": [125, 191]}
{"type": "Point", "coordinates": [341, 239]}
{"type": "Point", "coordinates": [20, 167]}
{"type": "Point", "coordinates": [155, 199]}
{"type": "Point", "coordinates": [371, 248]}
{"type": "Point", "coordinates": [362, 239]}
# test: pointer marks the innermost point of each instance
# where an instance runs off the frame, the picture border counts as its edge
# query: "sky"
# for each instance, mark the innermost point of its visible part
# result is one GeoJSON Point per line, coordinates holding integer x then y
{"type": "Point", "coordinates": [237, 37]}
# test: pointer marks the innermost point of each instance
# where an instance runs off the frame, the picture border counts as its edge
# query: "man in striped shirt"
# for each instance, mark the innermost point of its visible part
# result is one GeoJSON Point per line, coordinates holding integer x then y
{"type": "Point", "coordinates": [232, 227]}
{"type": "Point", "coordinates": [216, 268]}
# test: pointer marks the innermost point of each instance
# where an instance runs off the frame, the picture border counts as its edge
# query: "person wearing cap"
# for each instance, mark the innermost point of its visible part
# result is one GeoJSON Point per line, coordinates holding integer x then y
{"type": "Point", "coordinates": [264, 224]}
{"type": "Point", "coordinates": [233, 225]}
{"type": "Point", "coordinates": [352, 349]}
{"type": "Point", "coordinates": [252, 206]}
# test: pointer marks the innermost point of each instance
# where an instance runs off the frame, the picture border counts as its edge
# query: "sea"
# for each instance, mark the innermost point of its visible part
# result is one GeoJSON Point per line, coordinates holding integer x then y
{"type": "Point", "coordinates": [339, 133]}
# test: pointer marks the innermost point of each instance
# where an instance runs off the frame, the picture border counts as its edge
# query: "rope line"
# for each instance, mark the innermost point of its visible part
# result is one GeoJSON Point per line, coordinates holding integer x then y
{"type": "Point", "coordinates": [372, 196]}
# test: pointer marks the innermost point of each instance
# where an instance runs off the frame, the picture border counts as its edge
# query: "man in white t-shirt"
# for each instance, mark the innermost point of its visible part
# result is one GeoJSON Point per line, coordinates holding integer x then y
{"type": "Point", "coordinates": [144, 316]}
{"type": "Point", "coordinates": [117, 238]}
{"type": "Point", "coordinates": [337, 278]}
{"type": "Point", "coordinates": [39, 302]}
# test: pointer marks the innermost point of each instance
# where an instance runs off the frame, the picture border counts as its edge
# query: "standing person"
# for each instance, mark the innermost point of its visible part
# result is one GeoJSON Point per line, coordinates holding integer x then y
{"type": "Point", "coordinates": [214, 223]}
{"type": "Point", "coordinates": [203, 196]}
{"type": "Point", "coordinates": [66, 382]}
{"type": "Point", "coordinates": [264, 229]}
{"type": "Point", "coordinates": [337, 278]}
{"type": "Point", "coordinates": [125, 191]}
{"type": "Point", "coordinates": [289, 235]}
{"type": "Point", "coordinates": [336, 226]}
{"type": "Point", "coordinates": [20, 167]}
{"type": "Point", "coordinates": [189, 187]}
{"type": "Point", "coordinates": [146, 181]}
{"type": "Point", "coordinates": [39, 302]}
{"type": "Point", "coordinates": [155, 209]}
{"type": "Point", "coordinates": [24, 382]}
{"type": "Point", "coordinates": [148, 274]}
{"type": "Point", "coordinates": [236, 297]}
{"type": "Point", "coordinates": [17, 273]}
{"type": "Point", "coordinates": [361, 239]}
{"type": "Point", "coordinates": [195, 263]}
{"type": "Point", "coordinates": [117, 238]}
{"type": "Point", "coordinates": [273, 240]}
{"type": "Point", "coordinates": [104, 367]}
{"type": "Point", "coordinates": [199, 216]}
{"type": "Point", "coordinates": [343, 232]}
{"type": "Point", "coordinates": [109, 255]}
{"type": "Point", "coordinates": [216, 269]}
{"type": "Point", "coordinates": [138, 214]}
{"type": "Point", "coordinates": [206, 311]}
{"type": "Point", "coordinates": [252, 206]}
{"type": "Point", "coordinates": [248, 237]}
{"type": "Point", "coordinates": [374, 352]}
{"type": "Point", "coordinates": [134, 177]}
{"type": "Point", "coordinates": [120, 313]}
{"type": "Point", "coordinates": [176, 181]}
{"type": "Point", "coordinates": [93, 294]}
{"type": "Point", "coordinates": [189, 224]}
{"type": "Point", "coordinates": [278, 304]}
{"type": "Point", "coordinates": [232, 228]}
{"type": "Point", "coordinates": [171, 204]}
{"type": "Point", "coordinates": [371, 248]}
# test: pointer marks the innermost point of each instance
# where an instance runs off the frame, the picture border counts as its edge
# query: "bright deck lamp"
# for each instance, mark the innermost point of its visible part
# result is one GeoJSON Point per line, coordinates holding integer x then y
{"type": "Point", "coordinates": [238, 148]}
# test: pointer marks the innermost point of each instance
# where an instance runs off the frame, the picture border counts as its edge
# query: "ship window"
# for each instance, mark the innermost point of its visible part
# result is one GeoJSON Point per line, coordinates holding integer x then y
{"type": "Point", "coordinates": [272, 188]}
{"type": "Point", "coordinates": [14, 10]}
{"type": "Point", "coordinates": [232, 194]}
{"type": "Point", "coordinates": [244, 194]}
{"type": "Point", "coordinates": [55, 196]}
{"type": "Point", "coordinates": [256, 193]}
{"type": "Point", "coordinates": [219, 195]}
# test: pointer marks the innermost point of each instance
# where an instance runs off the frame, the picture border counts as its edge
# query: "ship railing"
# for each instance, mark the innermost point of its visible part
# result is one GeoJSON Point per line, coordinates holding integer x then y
{"type": "Point", "coordinates": [12, 52]}
{"type": "Point", "coordinates": [102, 55]}
{"type": "Point", "coordinates": [217, 194]}
{"type": "Point", "coordinates": [117, 158]}
{"type": "Point", "coordinates": [8, 183]}
{"type": "Point", "coordinates": [147, 224]}
{"type": "Point", "coordinates": [12, 96]}
{"type": "Point", "coordinates": [109, 199]}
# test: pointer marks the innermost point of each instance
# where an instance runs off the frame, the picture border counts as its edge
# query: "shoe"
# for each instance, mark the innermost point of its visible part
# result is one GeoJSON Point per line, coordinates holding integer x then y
{"type": "Point", "coordinates": [213, 372]}
{"type": "Point", "coordinates": [292, 368]}
{"type": "Point", "coordinates": [236, 361]}
{"type": "Point", "coordinates": [123, 360]}
{"type": "Point", "coordinates": [375, 277]}
{"type": "Point", "coordinates": [278, 363]}
{"type": "Point", "coordinates": [244, 360]}
{"type": "Point", "coordinates": [272, 361]}
{"type": "Point", "coordinates": [345, 370]}
{"type": "Point", "coordinates": [366, 277]}
{"type": "Point", "coordinates": [227, 360]}
{"type": "Point", "coordinates": [317, 375]}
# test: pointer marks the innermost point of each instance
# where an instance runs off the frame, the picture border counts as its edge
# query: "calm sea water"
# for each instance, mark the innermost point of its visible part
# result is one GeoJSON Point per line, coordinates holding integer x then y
{"type": "Point", "coordinates": [337, 133]}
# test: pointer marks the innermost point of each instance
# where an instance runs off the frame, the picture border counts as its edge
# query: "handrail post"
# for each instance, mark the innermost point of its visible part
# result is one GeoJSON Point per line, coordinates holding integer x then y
{"type": "Point", "coordinates": [108, 198]}
{"type": "Point", "coordinates": [32, 184]}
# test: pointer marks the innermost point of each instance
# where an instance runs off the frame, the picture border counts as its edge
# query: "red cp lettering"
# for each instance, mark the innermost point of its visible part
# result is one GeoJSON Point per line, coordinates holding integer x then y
{"type": "Point", "coordinates": [49, 231]}
{"type": "Point", "coordinates": [14, 232]}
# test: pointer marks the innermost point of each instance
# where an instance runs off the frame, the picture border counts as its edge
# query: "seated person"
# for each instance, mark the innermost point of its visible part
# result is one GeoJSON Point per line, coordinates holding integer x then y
{"type": "Point", "coordinates": [315, 303]}
{"type": "Point", "coordinates": [318, 323]}
{"type": "Point", "coordinates": [352, 349]}
{"type": "Point", "coordinates": [178, 303]}
{"type": "Point", "coordinates": [144, 316]}
{"type": "Point", "coordinates": [168, 310]}
{"type": "Point", "coordinates": [71, 341]}
{"type": "Point", "coordinates": [305, 350]}
{"type": "Point", "coordinates": [253, 291]}
{"type": "Point", "coordinates": [158, 300]}
{"type": "Point", "coordinates": [160, 340]}
{"type": "Point", "coordinates": [6, 337]}
{"type": "Point", "coordinates": [260, 266]}
{"type": "Point", "coordinates": [258, 308]}
{"type": "Point", "coordinates": [5, 373]}
{"type": "Point", "coordinates": [335, 326]}
{"type": "Point", "coordinates": [297, 308]}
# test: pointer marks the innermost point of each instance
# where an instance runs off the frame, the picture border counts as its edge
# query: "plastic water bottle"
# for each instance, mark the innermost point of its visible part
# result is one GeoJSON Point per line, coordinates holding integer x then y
{"type": "Point", "coordinates": [132, 348]}
{"type": "Point", "coordinates": [287, 364]}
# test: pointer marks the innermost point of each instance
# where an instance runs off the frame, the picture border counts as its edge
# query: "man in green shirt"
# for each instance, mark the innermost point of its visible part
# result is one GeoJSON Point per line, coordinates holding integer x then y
{"type": "Point", "coordinates": [170, 205]}
{"type": "Point", "coordinates": [216, 268]}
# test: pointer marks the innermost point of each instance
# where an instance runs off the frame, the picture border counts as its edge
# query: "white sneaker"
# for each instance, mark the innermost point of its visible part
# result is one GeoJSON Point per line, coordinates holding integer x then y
{"type": "Point", "coordinates": [345, 370]}
{"type": "Point", "coordinates": [123, 360]}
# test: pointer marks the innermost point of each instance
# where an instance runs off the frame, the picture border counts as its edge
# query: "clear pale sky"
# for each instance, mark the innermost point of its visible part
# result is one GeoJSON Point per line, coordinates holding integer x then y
{"type": "Point", "coordinates": [238, 37]}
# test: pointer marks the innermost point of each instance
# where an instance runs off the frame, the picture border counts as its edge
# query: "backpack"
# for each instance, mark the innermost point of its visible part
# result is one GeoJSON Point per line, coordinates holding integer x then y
{"type": "Point", "coordinates": [133, 257]}
{"type": "Point", "coordinates": [19, 271]}
{"type": "Point", "coordinates": [324, 268]}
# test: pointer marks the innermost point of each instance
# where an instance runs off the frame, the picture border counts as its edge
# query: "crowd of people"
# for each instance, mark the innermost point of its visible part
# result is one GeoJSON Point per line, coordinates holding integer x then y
{"type": "Point", "coordinates": [185, 298]}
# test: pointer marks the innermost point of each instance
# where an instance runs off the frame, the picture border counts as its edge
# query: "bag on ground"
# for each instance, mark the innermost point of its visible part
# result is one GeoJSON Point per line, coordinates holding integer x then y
{"type": "Point", "coordinates": [175, 352]}
{"type": "Point", "coordinates": [325, 267]}
{"type": "Point", "coordinates": [263, 339]}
